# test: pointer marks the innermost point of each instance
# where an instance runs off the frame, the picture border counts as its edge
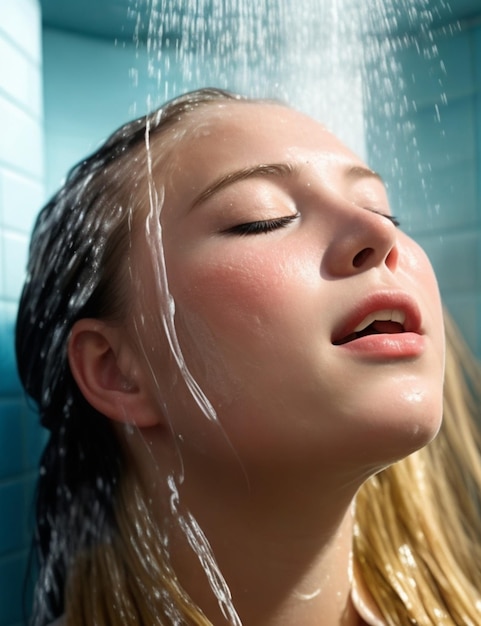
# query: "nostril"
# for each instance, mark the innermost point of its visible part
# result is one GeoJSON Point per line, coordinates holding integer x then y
{"type": "Point", "coordinates": [362, 257]}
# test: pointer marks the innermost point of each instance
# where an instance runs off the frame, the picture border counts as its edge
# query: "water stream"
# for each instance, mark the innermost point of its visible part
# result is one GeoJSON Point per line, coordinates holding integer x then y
{"type": "Point", "coordinates": [334, 60]}
{"type": "Point", "coordinates": [328, 58]}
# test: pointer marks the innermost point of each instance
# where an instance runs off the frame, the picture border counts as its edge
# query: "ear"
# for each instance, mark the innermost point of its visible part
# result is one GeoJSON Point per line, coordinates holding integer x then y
{"type": "Point", "coordinates": [107, 373]}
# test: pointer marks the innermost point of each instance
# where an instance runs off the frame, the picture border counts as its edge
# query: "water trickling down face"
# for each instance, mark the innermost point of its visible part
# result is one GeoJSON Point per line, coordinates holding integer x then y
{"type": "Point", "coordinates": [279, 246]}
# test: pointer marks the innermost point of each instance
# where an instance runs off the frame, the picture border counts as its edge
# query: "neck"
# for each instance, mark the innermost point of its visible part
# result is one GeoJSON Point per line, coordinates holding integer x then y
{"type": "Point", "coordinates": [283, 547]}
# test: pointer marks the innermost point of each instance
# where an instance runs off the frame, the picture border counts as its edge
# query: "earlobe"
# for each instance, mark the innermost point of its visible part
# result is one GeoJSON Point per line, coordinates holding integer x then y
{"type": "Point", "coordinates": [106, 371]}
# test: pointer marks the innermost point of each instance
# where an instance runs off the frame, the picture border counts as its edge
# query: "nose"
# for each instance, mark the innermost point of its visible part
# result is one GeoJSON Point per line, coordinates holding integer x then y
{"type": "Point", "coordinates": [363, 240]}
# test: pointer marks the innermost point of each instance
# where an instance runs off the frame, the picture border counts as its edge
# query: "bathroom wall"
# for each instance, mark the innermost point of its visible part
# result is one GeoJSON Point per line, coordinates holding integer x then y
{"type": "Point", "coordinates": [93, 84]}
{"type": "Point", "coordinates": [21, 192]}
{"type": "Point", "coordinates": [90, 85]}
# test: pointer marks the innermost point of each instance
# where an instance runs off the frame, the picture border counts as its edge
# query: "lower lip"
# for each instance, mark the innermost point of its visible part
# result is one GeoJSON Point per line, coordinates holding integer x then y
{"type": "Point", "coordinates": [387, 346]}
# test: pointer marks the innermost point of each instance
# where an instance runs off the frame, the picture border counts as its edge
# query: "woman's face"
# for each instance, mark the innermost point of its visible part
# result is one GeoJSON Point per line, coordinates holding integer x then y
{"type": "Point", "coordinates": [310, 321]}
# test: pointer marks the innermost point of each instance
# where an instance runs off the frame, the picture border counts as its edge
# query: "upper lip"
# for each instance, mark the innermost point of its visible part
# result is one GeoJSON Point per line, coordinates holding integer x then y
{"type": "Point", "coordinates": [402, 306]}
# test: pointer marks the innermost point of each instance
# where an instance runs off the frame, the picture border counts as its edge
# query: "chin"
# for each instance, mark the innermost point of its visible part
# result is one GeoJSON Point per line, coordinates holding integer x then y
{"type": "Point", "coordinates": [422, 433]}
{"type": "Point", "coordinates": [389, 436]}
{"type": "Point", "coordinates": [412, 434]}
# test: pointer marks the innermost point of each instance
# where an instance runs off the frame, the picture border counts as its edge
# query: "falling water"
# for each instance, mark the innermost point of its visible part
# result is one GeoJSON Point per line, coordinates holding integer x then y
{"type": "Point", "coordinates": [336, 60]}
{"type": "Point", "coordinates": [339, 61]}
{"type": "Point", "coordinates": [304, 53]}
{"type": "Point", "coordinates": [400, 36]}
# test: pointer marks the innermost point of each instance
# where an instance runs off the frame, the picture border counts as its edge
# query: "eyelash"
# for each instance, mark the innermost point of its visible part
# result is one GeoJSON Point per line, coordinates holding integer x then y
{"type": "Point", "coordinates": [391, 218]}
{"type": "Point", "coordinates": [267, 226]}
{"type": "Point", "coordinates": [394, 220]}
{"type": "Point", "coordinates": [261, 226]}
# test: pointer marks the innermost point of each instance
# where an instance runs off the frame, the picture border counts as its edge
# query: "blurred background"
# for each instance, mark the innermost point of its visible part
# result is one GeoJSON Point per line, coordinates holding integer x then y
{"type": "Point", "coordinates": [398, 80]}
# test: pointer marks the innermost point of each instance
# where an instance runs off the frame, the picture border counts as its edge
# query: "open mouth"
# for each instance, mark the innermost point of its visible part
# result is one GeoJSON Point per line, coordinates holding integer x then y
{"type": "Point", "coordinates": [375, 328]}
{"type": "Point", "coordinates": [388, 322]}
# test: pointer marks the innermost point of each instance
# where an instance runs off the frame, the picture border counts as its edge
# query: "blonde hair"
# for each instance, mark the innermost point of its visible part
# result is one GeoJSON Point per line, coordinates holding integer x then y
{"type": "Point", "coordinates": [416, 538]}
{"type": "Point", "coordinates": [417, 528]}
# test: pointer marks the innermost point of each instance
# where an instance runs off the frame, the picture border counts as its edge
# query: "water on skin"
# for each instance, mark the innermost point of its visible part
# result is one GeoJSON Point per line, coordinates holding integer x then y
{"type": "Point", "coordinates": [312, 54]}
{"type": "Point", "coordinates": [314, 57]}
{"type": "Point", "coordinates": [186, 521]}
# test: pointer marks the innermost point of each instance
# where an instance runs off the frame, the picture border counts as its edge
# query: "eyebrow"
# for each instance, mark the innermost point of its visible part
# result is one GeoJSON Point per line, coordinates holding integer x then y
{"type": "Point", "coordinates": [357, 172]}
{"type": "Point", "coordinates": [271, 169]}
{"type": "Point", "coordinates": [282, 170]}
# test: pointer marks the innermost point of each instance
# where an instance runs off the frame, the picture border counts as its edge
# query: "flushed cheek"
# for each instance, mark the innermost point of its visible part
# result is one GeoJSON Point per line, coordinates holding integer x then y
{"type": "Point", "coordinates": [236, 295]}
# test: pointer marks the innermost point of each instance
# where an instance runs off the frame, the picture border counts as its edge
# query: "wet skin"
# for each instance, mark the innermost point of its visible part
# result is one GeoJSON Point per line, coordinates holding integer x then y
{"type": "Point", "coordinates": [272, 269]}
{"type": "Point", "coordinates": [280, 255]}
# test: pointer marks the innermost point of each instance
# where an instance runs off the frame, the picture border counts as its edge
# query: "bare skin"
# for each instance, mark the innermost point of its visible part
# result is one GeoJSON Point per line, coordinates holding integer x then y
{"type": "Point", "coordinates": [265, 316]}
{"type": "Point", "coordinates": [284, 565]}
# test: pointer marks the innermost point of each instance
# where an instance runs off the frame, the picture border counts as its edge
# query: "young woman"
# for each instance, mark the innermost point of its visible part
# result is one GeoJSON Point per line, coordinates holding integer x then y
{"type": "Point", "coordinates": [227, 335]}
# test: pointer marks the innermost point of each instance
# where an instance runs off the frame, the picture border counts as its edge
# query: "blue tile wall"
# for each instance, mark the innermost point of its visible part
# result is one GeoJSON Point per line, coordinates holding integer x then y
{"type": "Point", "coordinates": [21, 194]}
{"type": "Point", "coordinates": [83, 106]}
{"type": "Point", "coordinates": [430, 156]}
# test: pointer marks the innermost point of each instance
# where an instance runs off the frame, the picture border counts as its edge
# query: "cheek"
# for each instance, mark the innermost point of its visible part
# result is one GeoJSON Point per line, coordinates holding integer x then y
{"type": "Point", "coordinates": [238, 295]}
{"type": "Point", "coordinates": [417, 266]}
{"type": "Point", "coordinates": [418, 270]}
{"type": "Point", "coordinates": [238, 316]}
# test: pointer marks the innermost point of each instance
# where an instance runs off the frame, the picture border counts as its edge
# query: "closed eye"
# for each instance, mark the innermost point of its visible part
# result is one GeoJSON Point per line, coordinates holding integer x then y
{"type": "Point", "coordinates": [389, 217]}
{"type": "Point", "coordinates": [261, 226]}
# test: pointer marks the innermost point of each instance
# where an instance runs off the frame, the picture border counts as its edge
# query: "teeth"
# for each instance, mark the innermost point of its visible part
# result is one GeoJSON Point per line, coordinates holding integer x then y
{"type": "Point", "coordinates": [384, 316]}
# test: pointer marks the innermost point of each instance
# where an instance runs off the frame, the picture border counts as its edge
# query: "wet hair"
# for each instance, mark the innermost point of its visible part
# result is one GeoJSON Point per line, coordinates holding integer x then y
{"type": "Point", "coordinates": [101, 558]}
{"type": "Point", "coordinates": [77, 269]}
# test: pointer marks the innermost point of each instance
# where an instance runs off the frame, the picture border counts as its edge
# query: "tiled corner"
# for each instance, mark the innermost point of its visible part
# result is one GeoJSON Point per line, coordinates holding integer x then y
{"type": "Point", "coordinates": [20, 23]}
{"type": "Point", "coordinates": [21, 193]}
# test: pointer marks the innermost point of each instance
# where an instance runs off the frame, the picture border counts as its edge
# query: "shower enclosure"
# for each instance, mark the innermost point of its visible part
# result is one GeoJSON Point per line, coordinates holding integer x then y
{"type": "Point", "coordinates": [399, 81]}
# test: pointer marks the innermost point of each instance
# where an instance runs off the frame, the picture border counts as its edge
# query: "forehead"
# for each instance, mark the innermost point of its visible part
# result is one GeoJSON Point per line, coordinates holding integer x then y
{"type": "Point", "coordinates": [233, 128]}
{"type": "Point", "coordinates": [224, 137]}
